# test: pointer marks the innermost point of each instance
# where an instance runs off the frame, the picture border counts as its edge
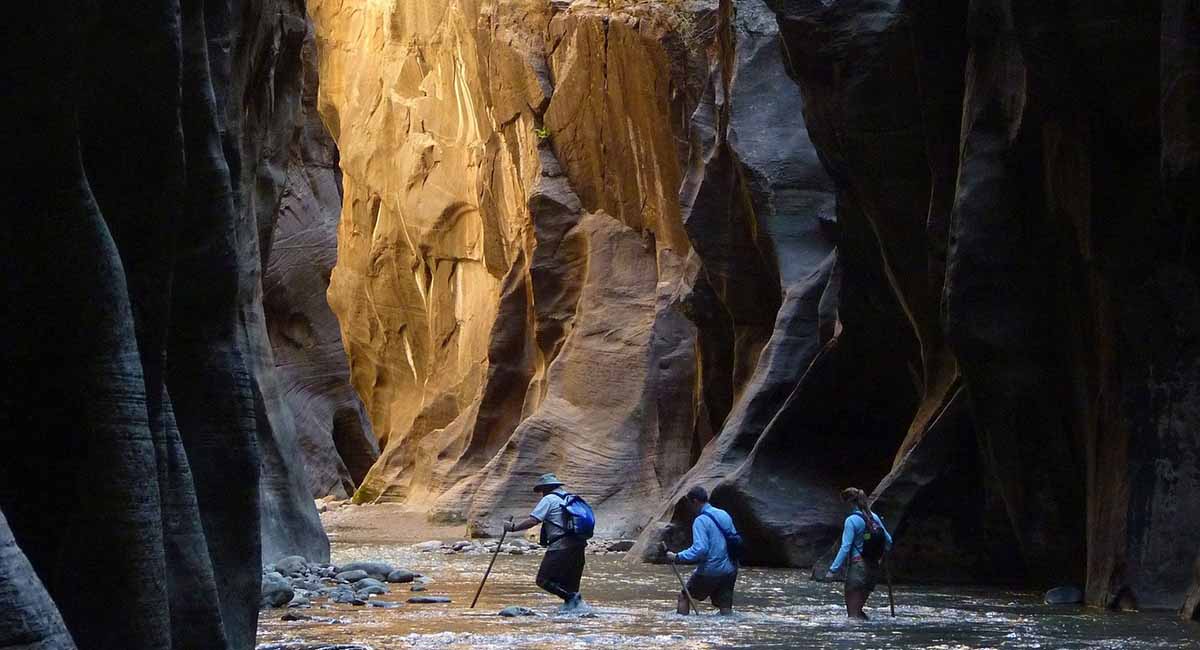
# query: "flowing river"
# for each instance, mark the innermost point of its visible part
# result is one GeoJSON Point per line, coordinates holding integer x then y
{"type": "Point", "coordinates": [633, 608]}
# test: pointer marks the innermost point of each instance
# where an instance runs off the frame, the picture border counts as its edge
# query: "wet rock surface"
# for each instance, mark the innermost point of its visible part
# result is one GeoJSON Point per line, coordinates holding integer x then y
{"type": "Point", "coordinates": [316, 584]}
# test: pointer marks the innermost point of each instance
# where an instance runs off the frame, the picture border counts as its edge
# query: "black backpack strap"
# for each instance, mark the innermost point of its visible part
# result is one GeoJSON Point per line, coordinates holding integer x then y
{"type": "Point", "coordinates": [716, 523]}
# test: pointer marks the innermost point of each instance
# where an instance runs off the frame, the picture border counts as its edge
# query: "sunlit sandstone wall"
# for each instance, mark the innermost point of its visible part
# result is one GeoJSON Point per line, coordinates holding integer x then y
{"type": "Point", "coordinates": [519, 281]}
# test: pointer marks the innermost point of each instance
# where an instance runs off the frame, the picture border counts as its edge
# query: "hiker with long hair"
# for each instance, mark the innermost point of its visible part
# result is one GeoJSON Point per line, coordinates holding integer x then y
{"type": "Point", "coordinates": [864, 542]}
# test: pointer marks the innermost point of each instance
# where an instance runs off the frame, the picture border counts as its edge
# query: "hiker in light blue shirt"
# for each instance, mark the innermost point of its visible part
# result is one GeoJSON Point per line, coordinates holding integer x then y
{"type": "Point", "coordinates": [716, 574]}
{"type": "Point", "coordinates": [862, 571]}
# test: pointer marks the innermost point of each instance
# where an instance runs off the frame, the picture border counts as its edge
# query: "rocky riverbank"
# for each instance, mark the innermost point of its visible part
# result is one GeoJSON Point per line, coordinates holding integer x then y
{"type": "Point", "coordinates": [295, 583]}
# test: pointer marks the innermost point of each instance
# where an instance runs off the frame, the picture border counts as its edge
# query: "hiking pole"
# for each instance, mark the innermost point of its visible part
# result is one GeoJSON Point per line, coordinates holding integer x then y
{"type": "Point", "coordinates": [887, 569]}
{"type": "Point", "coordinates": [683, 584]}
{"type": "Point", "coordinates": [490, 564]}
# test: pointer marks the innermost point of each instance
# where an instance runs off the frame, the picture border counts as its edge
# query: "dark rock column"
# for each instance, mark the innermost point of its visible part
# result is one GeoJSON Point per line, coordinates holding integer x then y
{"type": "Point", "coordinates": [129, 401]}
{"type": "Point", "coordinates": [28, 618]}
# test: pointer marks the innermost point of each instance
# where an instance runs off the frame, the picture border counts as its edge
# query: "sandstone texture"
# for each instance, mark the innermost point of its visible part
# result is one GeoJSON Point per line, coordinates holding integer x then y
{"type": "Point", "coordinates": [152, 462]}
{"type": "Point", "coordinates": [300, 208]}
{"type": "Point", "coordinates": [945, 250]}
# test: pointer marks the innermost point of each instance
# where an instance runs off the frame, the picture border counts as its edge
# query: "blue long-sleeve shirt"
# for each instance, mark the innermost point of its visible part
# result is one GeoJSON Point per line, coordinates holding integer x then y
{"type": "Point", "coordinates": [708, 547]}
{"type": "Point", "coordinates": [852, 538]}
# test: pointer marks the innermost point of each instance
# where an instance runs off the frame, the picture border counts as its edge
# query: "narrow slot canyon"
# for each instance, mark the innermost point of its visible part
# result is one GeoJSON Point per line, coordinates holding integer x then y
{"type": "Point", "coordinates": [287, 272]}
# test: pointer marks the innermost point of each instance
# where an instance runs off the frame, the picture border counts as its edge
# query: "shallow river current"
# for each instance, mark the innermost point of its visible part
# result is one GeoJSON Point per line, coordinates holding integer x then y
{"type": "Point", "coordinates": [633, 609]}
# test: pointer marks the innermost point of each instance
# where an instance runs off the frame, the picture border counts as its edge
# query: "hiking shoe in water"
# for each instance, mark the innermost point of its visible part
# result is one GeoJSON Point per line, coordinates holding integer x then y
{"type": "Point", "coordinates": [573, 604]}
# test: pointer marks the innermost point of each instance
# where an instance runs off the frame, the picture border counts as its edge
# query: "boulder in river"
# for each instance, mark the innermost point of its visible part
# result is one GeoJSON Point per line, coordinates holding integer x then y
{"type": "Point", "coordinates": [620, 545]}
{"type": "Point", "coordinates": [352, 576]}
{"type": "Point", "coordinates": [514, 611]}
{"type": "Point", "coordinates": [1066, 595]}
{"type": "Point", "coordinates": [427, 547]}
{"type": "Point", "coordinates": [276, 592]}
{"type": "Point", "coordinates": [401, 576]}
{"type": "Point", "coordinates": [292, 566]}
{"type": "Point", "coordinates": [427, 600]}
{"type": "Point", "coordinates": [378, 570]}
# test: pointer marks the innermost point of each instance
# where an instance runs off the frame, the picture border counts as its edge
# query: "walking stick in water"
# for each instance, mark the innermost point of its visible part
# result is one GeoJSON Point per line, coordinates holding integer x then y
{"type": "Point", "coordinates": [887, 568]}
{"type": "Point", "coordinates": [683, 584]}
{"type": "Point", "coordinates": [490, 564]}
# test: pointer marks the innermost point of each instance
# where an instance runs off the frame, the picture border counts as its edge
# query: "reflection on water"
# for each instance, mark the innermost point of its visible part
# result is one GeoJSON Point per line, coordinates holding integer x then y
{"type": "Point", "coordinates": [633, 609]}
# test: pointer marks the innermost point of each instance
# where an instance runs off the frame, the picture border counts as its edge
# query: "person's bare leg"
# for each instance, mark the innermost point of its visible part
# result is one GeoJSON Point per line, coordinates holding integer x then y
{"type": "Point", "coordinates": [854, 604]}
{"type": "Point", "coordinates": [681, 604]}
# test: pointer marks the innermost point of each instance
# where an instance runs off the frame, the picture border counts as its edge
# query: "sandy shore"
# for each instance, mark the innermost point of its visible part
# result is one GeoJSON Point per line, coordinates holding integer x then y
{"type": "Point", "coordinates": [387, 523]}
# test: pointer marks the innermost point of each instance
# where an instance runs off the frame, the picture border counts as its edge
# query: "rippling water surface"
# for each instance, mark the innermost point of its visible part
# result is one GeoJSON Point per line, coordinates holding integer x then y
{"type": "Point", "coordinates": [633, 606]}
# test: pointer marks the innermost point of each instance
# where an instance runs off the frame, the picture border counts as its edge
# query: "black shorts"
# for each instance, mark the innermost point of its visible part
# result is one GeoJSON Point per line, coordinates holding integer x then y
{"type": "Point", "coordinates": [718, 588]}
{"type": "Point", "coordinates": [563, 567]}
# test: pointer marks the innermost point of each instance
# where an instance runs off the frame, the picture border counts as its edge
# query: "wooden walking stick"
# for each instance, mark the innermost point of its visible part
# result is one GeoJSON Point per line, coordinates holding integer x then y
{"type": "Point", "coordinates": [683, 584]}
{"type": "Point", "coordinates": [489, 569]}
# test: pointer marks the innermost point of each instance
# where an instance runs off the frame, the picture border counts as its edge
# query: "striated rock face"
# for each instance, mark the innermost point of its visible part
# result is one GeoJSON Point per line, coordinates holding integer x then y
{"type": "Point", "coordinates": [301, 206]}
{"type": "Point", "coordinates": [1031, 199]}
{"type": "Point", "coordinates": [149, 444]}
{"type": "Point", "coordinates": [512, 298]}
{"type": "Point", "coordinates": [599, 239]}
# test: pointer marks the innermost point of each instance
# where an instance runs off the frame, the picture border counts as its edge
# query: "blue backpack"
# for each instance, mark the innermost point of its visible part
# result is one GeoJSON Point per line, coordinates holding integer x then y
{"type": "Point", "coordinates": [580, 519]}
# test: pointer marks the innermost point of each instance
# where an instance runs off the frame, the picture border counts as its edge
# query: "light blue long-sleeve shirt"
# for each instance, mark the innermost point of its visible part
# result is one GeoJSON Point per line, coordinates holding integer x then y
{"type": "Point", "coordinates": [708, 547]}
{"type": "Point", "coordinates": [852, 538]}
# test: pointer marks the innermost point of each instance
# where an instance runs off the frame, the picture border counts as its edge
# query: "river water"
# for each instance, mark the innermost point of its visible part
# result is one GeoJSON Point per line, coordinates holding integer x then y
{"type": "Point", "coordinates": [633, 608]}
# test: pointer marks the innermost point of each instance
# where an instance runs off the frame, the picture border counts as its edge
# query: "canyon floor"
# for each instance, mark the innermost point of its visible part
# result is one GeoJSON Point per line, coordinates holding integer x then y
{"type": "Point", "coordinates": [631, 603]}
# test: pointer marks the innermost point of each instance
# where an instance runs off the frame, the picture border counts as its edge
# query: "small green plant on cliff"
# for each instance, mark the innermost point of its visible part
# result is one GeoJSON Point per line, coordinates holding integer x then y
{"type": "Point", "coordinates": [541, 132]}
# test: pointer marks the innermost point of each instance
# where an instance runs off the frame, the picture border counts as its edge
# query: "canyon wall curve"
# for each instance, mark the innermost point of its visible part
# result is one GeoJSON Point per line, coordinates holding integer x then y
{"type": "Point", "coordinates": [776, 249]}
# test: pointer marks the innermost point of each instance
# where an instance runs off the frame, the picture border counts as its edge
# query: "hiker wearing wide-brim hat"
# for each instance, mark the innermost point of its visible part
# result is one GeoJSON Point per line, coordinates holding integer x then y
{"type": "Point", "coordinates": [564, 534]}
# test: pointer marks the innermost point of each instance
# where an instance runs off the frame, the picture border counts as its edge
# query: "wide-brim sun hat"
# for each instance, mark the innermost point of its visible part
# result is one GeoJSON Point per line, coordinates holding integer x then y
{"type": "Point", "coordinates": [547, 480]}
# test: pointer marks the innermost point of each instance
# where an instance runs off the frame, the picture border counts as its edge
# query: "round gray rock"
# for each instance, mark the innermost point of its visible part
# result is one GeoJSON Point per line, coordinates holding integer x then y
{"type": "Point", "coordinates": [1066, 595]}
{"type": "Point", "coordinates": [352, 576]}
{"type": "Point", "coordinates": [276, 592]}
{"type": "Point", "coordinates": [292, 566]}
{"type": "Point", "coordinates": [378, 570]}
{"type": "Point", "coordinates": [401, 575]}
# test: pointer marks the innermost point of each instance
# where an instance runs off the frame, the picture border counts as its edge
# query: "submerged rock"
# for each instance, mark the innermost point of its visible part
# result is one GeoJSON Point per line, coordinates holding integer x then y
{"type": "Point", "coordinates": [427, 600]}
{"type": "Point", "coordinates": [1066, 595]}
{"type": "Point", "coordinates": [515, 611]}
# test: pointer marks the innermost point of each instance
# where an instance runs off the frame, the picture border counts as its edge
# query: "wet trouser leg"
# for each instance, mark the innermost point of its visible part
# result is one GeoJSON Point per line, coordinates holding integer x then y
{"type": "Point", "coordinates": [561, 571]}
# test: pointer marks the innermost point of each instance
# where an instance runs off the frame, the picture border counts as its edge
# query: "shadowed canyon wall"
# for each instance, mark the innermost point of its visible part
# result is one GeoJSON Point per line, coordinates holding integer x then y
{"type": "Point", "coordinates": [945, 249]}
{"type": "Point", "coordinates": [154, 453]}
